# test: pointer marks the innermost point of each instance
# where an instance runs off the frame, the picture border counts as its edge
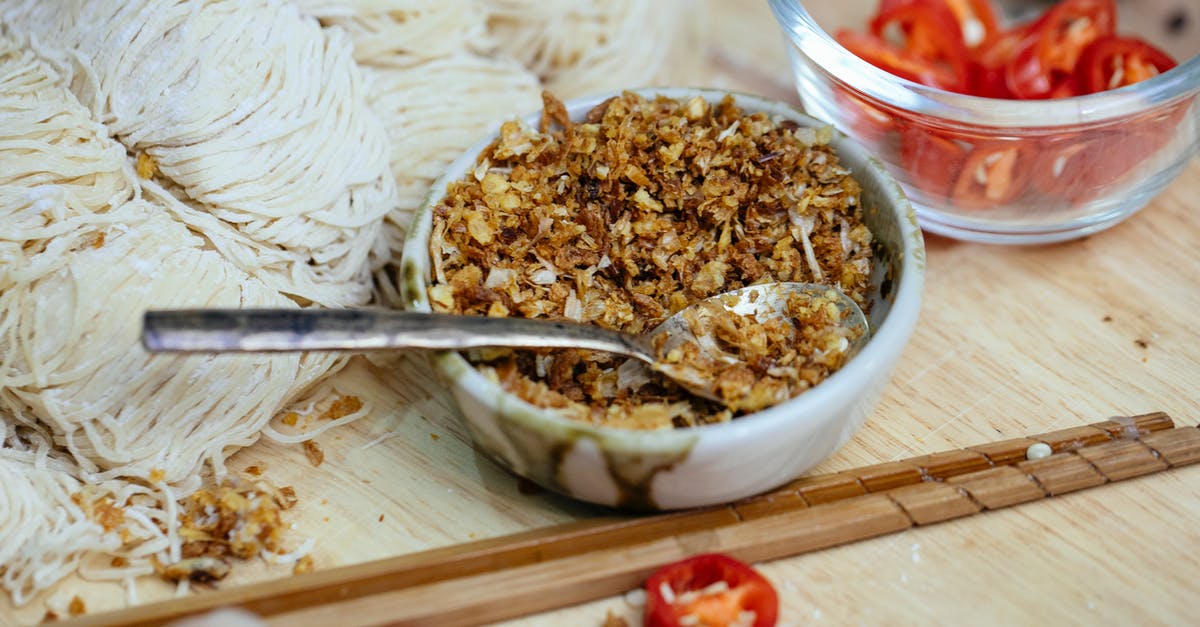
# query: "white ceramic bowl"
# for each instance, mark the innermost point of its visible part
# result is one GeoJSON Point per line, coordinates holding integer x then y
{"type": "Point", "coordinates": [671, 469]}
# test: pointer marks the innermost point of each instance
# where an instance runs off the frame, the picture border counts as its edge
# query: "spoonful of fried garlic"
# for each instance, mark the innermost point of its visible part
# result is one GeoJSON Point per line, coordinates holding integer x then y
{"type": "Point", "coordinates": [747, 349]}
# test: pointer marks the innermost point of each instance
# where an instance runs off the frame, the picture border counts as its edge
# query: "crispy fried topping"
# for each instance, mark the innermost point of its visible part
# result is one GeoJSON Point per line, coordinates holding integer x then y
{"type": "Point", "coordinates": [197, 569]}
{"type": "Point", "coordinates": [145, 166]}
{"type": "Point", "coordinates": [621, 220]}
{"type": "Point", "coordinates": [759, 361]}
{"type": "Point", "coordinates": [342, 407]}
{"type": "Point", "coordinates": [230, 521]}
{"type": "Point", "coordinates": [303, 565]}
{"type": "Point", "coordinates": [314, 453]}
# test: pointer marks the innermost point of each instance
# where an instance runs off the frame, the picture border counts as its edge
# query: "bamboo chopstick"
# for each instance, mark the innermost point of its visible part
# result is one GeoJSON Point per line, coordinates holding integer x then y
{"type": "Point", "coordinates": [557, 566]}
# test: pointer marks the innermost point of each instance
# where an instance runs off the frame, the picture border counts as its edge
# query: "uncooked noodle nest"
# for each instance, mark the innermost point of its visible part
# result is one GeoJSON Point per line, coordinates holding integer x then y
{"type": "Point", "coordinates": [201, 153]}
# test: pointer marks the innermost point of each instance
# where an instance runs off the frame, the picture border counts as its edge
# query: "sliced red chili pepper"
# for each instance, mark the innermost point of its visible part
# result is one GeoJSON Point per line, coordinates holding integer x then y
{"type": "Point", "coordinates": [931, 161]}
{"type": "Point", "coordinates": [1061, 170]}
{"type": "Point", "coordinates": [993, 173]}
{"type": "Point", "coordinates": [1079, 170]}
{"type": "Point", "coordinates": [930, 31]}
{"type": "Point", "coordinates": [1111, 62]}
{"type": "Point", "coordinates": [976, 18]}
{"type": "Point", "coordinates": [990, 59]}
{"type": "Point", "coordinates": [1067, 86]}
{"type": "Point", "coordinates": [1055, 42]}
{"type": "Point", "coordinates": [868, 122]}
{"type": "Point", "coordinates": [710, 589]}
{"type": "Point", "coordinates": [885, 56]}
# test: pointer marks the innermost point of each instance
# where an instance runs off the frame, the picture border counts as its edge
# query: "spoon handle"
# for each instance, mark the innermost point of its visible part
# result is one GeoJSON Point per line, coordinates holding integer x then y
{"type": "Point", "coordinates": [276, 330]}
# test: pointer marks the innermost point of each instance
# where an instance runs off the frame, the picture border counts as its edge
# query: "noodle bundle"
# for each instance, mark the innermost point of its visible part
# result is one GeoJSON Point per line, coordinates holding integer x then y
{"type": "Point", "coordinates": [589, 46]}
{"type": "Point", "coordinates": [255, 114]}
{"type": "Point", "coordinates": [414, 29]}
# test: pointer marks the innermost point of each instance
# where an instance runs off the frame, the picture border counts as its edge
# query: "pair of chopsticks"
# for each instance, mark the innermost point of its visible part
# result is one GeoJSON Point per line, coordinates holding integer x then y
{"type": "Point", "coordinates": [544, 569]}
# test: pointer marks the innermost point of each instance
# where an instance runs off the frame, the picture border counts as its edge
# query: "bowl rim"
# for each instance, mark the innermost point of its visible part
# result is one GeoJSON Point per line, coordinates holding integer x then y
{"type": "Point", "coordinates": [874, 359]}
{"type": "Point", "coordinates": [810, 39]}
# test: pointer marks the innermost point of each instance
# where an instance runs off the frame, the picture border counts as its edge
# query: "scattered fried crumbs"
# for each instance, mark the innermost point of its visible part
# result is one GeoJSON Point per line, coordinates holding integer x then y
{"type": "Point", "coordinates": [76, 607]}
{"type": "Point", "coordinates": [236, 520]}
{"type": "Point", "coordinates": [157, 475]}
{"type": "Point", "coordinates": [255, 470]}
{"type": "Point", "coordinates": [1141, 343]}
{"type": "Point", "coordinates": [434, 436]}
{"type": "Point", "coordinates": [1106, 318]}
{"type": "Point", "coordinates": [50, 616]}
{"type": "Point", "coordinates": [643, 208]}
{"type": "Point", "coordinates": [612, 620]}
{"type": "Point", "coordinates": [146, 166]}
{"type": "Point", "coordinates": [314, 453]}
{"type": "Point", "coordinates": [232, 520]}
{"type": "Point", "coordinates": [106, 512]}
{"type": "Point", "coordinates": [98, 240]}
{"type": "Point", "coordinates": [381, 518]}
{"type": "Point", "coordinates": [103, 510]}
{"type": "Point", "coordinates": [201, 569]}
{"type": "Point", "coordinates": [290, 418]}
{"type": "Point", "coordinates": [342, 407]}
{"type": "Point", "coordinates": [303, 565]}
{"type": "Point", "coordinates": [286, 497]}
{"type": "Point", "coordinates": [119, 562]}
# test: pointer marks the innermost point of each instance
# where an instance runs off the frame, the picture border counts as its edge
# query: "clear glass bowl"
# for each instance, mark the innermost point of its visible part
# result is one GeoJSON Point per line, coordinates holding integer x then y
{"type": "Point", "coordinates": [1079, 165]}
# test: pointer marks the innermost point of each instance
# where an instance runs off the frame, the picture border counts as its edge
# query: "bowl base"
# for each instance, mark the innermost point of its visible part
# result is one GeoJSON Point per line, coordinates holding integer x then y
{"type": "Point", "coordinates": [932, 222]}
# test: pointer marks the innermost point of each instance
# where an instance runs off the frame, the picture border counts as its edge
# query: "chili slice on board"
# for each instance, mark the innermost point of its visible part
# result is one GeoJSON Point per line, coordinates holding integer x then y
{"type": "Point", "coordinates": [709, 590]}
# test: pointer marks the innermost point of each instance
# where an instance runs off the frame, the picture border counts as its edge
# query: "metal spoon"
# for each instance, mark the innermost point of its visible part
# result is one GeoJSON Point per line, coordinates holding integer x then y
{"type": "Point", "coordinates": [276, 330]}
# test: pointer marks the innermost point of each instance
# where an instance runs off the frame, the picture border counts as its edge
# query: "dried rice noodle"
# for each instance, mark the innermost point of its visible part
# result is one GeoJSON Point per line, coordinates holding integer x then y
{"type": "Point", "coordinates": [48, 518]}
{"type": "Point", "coordinates": [415, 29]}
{"type": "Point", "coordinates": [583, 47]}
{"type": "Point", "coordinates": [82, 254]}
{"type": "Point", "coordinates": [254, 112]}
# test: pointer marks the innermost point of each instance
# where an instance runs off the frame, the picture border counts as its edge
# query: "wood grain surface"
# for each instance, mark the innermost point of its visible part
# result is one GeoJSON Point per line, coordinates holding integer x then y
{"type": "Point", "coordinates": [552, 567]}
{"type": "Point", "coordinates": [1011, 341]}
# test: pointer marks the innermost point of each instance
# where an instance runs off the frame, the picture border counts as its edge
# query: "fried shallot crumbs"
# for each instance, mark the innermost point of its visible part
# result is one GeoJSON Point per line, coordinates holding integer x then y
{"type": "Point", "coordinates": [624, 218]}
{"type": "Point", "coordinates": [235, 520]}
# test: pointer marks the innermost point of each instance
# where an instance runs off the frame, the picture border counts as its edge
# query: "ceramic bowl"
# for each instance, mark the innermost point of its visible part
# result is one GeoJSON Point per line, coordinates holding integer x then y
{"type": "Point", "coordinates": [1078, 165]}
{"type": "Point", "coordinates": [718, 463]}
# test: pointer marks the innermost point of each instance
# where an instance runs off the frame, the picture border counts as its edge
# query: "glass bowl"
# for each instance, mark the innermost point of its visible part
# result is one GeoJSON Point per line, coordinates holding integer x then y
{"type": "Point", "coordinates": [1076, 165]}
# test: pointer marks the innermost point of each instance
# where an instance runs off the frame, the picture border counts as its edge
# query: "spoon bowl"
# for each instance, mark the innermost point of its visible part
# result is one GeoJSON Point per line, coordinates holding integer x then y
{"type": "Point", "coordinates": [694, 327]}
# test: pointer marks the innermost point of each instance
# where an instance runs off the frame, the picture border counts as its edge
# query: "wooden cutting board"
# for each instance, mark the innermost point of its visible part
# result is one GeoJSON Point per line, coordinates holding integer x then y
{"type": "Point", "coordinates": [1011, 340]}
